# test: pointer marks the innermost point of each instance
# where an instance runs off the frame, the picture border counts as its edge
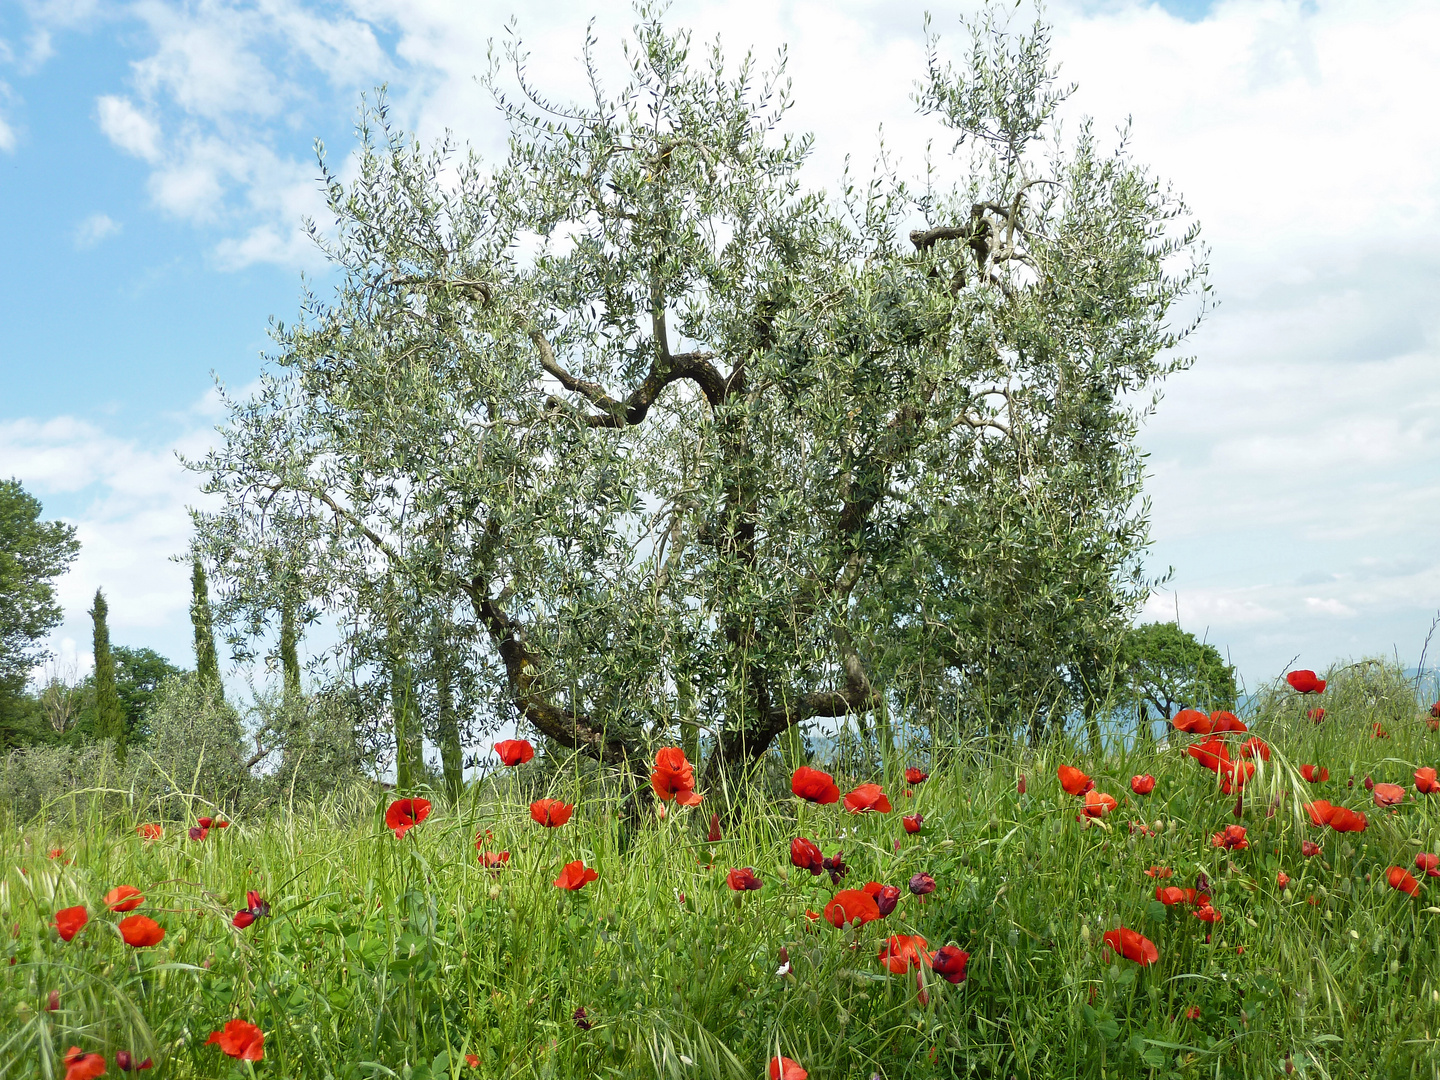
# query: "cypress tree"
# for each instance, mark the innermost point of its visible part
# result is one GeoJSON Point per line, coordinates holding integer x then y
{"type": "Point", "coordinates": [109, 717]}
{"type": "Point", "coordinates": [207, 663]}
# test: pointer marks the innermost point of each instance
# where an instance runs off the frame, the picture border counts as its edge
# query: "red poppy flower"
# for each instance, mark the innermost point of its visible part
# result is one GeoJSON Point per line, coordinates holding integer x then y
{"type": "Point", "coordinates": [815, 786]}
{"type": "Point", "coordinates": [126, 1063]}
{"type": "Point", "coordinates": [915, 776]}
{"type": "Point", "coordinates": [867, 797]}
{"type": "Point", "coordinates": [1020, 785]}
{"type": "Point", "coordinates": [743, 880]}
{"type": "Point", "coordinates": [1429, 863]}
{"type": "Point", "coordinates": [240, 1039]}
{"type": "Point", "coordinates": [1320, 811]}
{"type": "Point", "coordinates": [472, 1061]}
{"type": "Point", "coordinates": [551, 813]}
{"type": "Point", "coordinates": [1192, 722]}
{"type": "Point", "coordinates": [1098, 804]}
{"type": "Point", "coordinates": [55, 853]}
{"type": "Point", "coordinates": [949, 963]}
{"type": "Point", "coordinates": [1142, 785]}
{"type": "Point", "coordinates": [514, 752]}
{"type": "Point", "coordinates": [1314, 774]}
{"type": "Point", "coordinates": [1255, 747]}
{"type": "Point", "coordinates": [1235, 775]}
{"type": "Point", "coordinates": [674, 778]}
{"type": "Point", "coordinates": [922, 884]}
{"type": "Point", "coordinates": [575, 875]}
{"type": "Point", "coordinates": [1305, 682]}
{"type": "Point", "coordinates": [1315, 714]}
{"type": "Point", "coordinates": [1389, 795]}
{"type": "Point", "coordinates": [885, 896]}
{"type": "Point", "coordinates": [901, 952]}
{"type": "Point", "coordinates": [141, 931]}
{"type": "Point", "coordinates": [1161, 872]}
{"type": "Point", "coordinates": [1378, 732]}
{"type": "Point", "coordinates": [1426, 782]}
{"type": "Point", "coordinates": [198, 832]}
{"type": "Point", "coordinates": [150, 831]}
{"type": "Point", "coordinates": [1212, 754]}
{"type": "Point", "coordinates": [1226, 721]}
{"type": "Point", "coordinates": [1132, 946]}
{"type": "Point", "coordinates": [494, 860]}
{"type": "Point", "coordinates": [1309, 848]}
{"type": "Point", "coordinates": [1170, 895]}
{"type": "Point", "coordinates": [205, 822]}
{"type": "Point", "coordinates": [1207, 914]}
{"type": "Point", "coordinates": [1192, 1013]}
{"type": "Point", "coordinates": [1400, 878]}
{"type": "Point", "coordinates": [782, 1068]}
{"type": "Point", "coordinates": [806, 856]}
{"type": "Point", "coordinates": [1073, 780]}
{"type": "Point", "coordinates": [70, 921]}
{"type": "Point", "coordinates": [1282, 879]}
{"type": "Point", "coordinates": [912, 822]}
{"type": "Point", "coordinates": [1343, 820]}
{"type": "Point", "coordinates": [1232, 838]}
{"type": "Point", "coordinates": [851, 906]}
{"type": "Point", "coordinates": [82, 1066]}
{"type": "Point", "coordinates": [124, 898]}
{"type": "Point", "coordinates": [255, 908]}
{"type": "Point", "coordinates": [405, 814]}
{"type": "Point", "coordinates": [1435, 710]}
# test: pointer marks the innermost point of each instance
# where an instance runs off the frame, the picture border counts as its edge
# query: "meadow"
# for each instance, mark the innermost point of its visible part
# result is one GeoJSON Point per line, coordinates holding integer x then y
{"type": "Point", "coordinates": [449, 950]}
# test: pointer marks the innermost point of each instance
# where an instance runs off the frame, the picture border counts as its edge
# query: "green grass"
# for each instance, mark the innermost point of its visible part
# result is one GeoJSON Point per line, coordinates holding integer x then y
{"type": "Point", "coordinates": [396, 958]}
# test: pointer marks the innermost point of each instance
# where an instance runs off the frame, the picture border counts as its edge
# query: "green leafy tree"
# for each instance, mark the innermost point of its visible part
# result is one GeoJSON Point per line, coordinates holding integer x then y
{"type": "Point", "coordinates": [109, 716]}
{"type": "Point", "coordinates": [1170, 669]}
{"type": "Point", "coordinates": [33, 553]}
{"type": "Point", "coordinates": [207, 662]}
{"type": "Point", "coordinates": [139, 672]}
{"type": "Point", "coordinates": [661, 415]}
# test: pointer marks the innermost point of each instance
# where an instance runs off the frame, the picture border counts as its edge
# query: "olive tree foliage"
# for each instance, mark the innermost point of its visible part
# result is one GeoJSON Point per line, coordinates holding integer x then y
{"type": "Point", "coordinates": [675, 434]}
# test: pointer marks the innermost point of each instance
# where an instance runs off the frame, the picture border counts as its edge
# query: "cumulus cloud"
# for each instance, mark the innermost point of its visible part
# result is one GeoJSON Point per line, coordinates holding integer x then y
{"type": "Point", "coordinates": [94, 229]}
{"type": "Point", "coordinates": [129, 128]}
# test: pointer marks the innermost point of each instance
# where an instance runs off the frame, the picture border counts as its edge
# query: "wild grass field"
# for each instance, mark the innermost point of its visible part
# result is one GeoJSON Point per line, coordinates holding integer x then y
{"type": "Point", "coordinates": [449, 951]}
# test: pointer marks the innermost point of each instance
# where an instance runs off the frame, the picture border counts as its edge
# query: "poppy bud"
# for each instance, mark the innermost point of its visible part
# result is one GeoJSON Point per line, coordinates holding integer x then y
{"type": "Point", "coordinates": [1289, 1066]}
{"type": "Point", "coordinates": [886, 899]}
{"type": "Point", "coordinates": [1202, 882]}
{"type": "Point", "coordinates": [806, 856]}
{"type": "Point", "coordinates": [715, 836]}
{"type": "Point", "coordinates": [921, 884]}
{"type": "Point", "coordinates": [1369, 784]}
{"type": "Point", "coordinates": [1020, 785]}
{"type": "Point", "coordinates": [582, 1019]}
{"type": "Point", "coordinates": [123, 1061]}
{"type": "Point", "coordinates": [1239, 805]}
{"type": "Point", "coordinates": [54, 1003]}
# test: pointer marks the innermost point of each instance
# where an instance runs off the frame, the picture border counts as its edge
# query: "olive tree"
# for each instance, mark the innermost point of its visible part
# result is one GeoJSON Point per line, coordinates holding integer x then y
{"type": "Point", "coordinates": [675, 433]}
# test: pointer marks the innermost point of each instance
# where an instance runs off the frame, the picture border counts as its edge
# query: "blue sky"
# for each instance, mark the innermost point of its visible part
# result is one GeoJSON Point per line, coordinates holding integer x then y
{"type": "Point", "coordinates": [155, 162]}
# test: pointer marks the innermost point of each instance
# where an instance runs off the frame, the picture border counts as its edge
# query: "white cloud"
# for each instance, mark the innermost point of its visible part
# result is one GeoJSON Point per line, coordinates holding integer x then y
{"type": "Point", "coordinates": [94, 229]}
{"type": "Point", "coordinates": [128, 128]}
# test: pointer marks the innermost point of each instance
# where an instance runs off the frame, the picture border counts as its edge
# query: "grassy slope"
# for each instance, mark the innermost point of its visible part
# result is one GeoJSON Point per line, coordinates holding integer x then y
{"type": "Point", "coordinates": [388, 957]}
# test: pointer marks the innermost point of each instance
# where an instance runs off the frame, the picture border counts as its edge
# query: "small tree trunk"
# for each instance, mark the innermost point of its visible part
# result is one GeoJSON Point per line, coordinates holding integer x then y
{"type": "Point", "coordinates": [402, 712]}
{"type": "Point", "coordinates": [289, 652]}
{"type": "Point", "coordinates": [451, 755]}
